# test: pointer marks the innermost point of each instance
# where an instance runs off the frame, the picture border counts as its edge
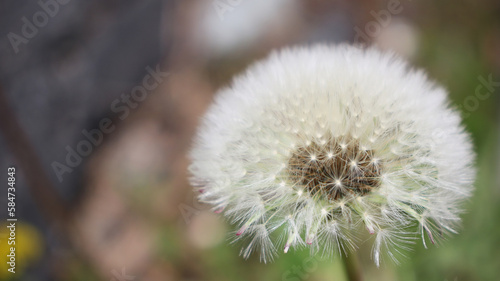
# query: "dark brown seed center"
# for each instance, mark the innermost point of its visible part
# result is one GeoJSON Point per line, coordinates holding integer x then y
{"type": "Point", "coordinates": [335, 169]}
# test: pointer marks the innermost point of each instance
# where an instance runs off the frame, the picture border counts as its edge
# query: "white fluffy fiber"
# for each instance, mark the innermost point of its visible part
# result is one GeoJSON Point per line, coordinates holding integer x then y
{"type": "Point", "coordinates": [327, 94]}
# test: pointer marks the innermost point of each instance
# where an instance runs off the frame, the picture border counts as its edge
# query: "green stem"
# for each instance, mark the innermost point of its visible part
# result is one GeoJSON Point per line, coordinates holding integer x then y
{"type": "Point", "coordinates": [352, 267]}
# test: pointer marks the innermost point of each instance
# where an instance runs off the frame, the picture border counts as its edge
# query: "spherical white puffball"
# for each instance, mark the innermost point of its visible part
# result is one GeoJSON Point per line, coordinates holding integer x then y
{"type": "Point", "coordinates": [314, 144]}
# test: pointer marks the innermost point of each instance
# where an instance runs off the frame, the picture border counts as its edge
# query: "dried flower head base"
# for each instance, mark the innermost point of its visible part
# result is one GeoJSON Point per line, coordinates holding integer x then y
{"type": "Point", "coordinates": [334, 169]}
{"type": "Point", "coordinates": [313, 145]}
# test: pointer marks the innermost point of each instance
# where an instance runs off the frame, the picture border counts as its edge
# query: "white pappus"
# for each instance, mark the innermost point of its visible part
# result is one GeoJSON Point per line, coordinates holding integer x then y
{"type": "Point", "coordinates": [314, 144]}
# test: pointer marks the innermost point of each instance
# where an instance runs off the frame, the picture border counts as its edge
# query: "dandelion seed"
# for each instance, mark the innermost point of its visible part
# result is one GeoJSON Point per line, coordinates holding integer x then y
{"type": "Point", "coordinates": [317, 145]}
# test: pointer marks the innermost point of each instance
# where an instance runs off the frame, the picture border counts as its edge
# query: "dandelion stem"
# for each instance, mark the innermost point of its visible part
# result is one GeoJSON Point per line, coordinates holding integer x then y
{"type": "Point", "coordinates": [351, 265]}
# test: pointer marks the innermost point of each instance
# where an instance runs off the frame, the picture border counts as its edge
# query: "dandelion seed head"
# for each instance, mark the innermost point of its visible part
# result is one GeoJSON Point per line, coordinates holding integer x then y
{"type": "Point", "coordinates": [316, 145]}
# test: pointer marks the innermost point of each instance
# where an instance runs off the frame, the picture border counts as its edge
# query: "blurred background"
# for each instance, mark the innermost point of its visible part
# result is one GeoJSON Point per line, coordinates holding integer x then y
{"type": "Point", "coordinates": [100, 99]}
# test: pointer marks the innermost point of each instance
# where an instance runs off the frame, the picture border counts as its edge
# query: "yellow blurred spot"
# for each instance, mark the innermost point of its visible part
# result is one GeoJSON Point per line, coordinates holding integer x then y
{"type": "Point", "coordinates": [28, 248]}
